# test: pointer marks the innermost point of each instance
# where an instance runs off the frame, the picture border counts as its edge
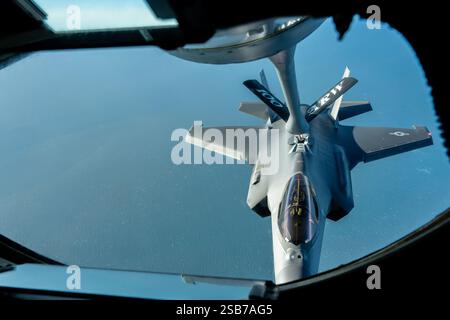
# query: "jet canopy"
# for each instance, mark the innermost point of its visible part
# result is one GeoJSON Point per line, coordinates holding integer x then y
{"type": "Point", "coordinates": [298, 214]}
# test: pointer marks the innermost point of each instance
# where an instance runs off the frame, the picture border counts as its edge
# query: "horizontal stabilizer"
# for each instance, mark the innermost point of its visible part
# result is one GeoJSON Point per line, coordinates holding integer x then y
{"type": "Point", "coordinates": [373, 143]}
{"type": "Point", "coordinates": [278, 107]}
{"type": "Point", "coordinates": [257, 109]}
{"type": "Point", "coordinates": [350, 109]}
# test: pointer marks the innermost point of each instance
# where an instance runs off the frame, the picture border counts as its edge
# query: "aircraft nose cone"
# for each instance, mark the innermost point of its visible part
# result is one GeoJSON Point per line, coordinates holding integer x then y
{"type": "Point", "coordinates": [296, 266]}
{"type": "Point", "coordinates": [293, 267]}
{"type": "Point", "coordinates": [291, 272]}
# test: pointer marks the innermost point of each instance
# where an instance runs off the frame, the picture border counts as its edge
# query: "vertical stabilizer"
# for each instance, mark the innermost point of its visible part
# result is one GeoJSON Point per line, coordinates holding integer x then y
{"type": "Point", "coordinates": [337, 104]}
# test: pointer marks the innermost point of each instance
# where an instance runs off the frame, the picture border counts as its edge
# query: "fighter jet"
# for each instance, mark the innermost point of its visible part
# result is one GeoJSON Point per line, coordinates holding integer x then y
{"type": "Point", "coordinates": [314, 152]}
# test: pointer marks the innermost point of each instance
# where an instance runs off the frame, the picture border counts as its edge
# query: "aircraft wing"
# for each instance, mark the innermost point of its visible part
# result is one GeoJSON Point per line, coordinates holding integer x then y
{"type": "Point", "coordinates": [373, 143]}
{"type": "Point", "coordinates": [257, 109]}
{"type": "Point", "coordinates": [237, 142]}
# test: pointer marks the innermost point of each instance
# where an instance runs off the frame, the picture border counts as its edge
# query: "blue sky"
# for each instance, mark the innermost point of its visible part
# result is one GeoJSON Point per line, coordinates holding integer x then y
{"type": "Point", "coordinates": [103, 14]}
{"type": "Point", "coordinates": [86, 176]}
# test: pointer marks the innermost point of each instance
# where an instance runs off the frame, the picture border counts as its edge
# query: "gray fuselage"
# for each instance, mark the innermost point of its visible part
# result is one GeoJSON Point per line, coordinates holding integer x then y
{"type": "Point", "coordinates": [321, 162]}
